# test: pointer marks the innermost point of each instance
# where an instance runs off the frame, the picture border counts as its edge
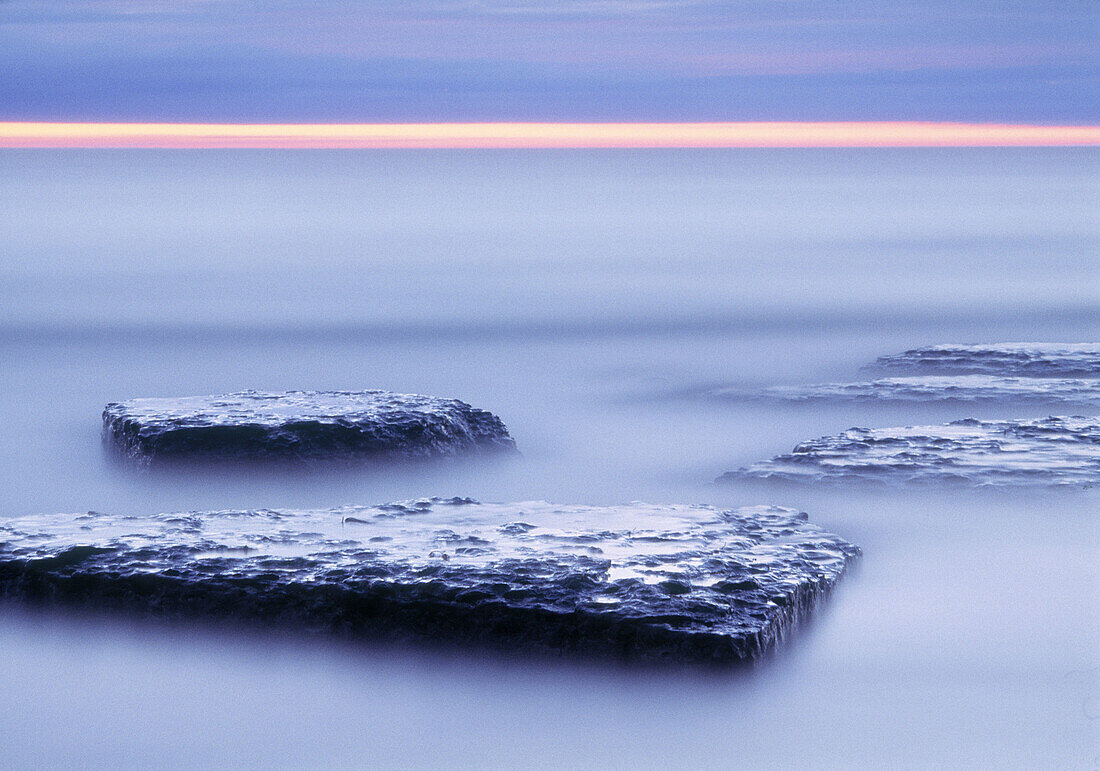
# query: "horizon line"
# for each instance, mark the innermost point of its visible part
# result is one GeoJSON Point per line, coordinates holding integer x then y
{"type": "Point", "coordinates": [541, 135]}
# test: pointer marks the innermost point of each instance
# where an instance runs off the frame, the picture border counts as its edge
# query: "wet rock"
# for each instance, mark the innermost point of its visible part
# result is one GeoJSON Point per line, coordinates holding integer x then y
{"type": "Point", "coordinates": [1055, 451]}
{"type": "Point", "coordinates": [676, 583]}
{"type": "Point", "coordinates": [934, 388]}
{"type": "Point", "coordinates": [1065, 360]}
{"type": "Point", "coordinates": [301, 426]}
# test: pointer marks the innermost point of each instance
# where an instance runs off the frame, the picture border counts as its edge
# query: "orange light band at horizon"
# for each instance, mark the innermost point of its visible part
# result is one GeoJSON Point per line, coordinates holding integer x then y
{"type": "Point", "coordinates": [539, 135]}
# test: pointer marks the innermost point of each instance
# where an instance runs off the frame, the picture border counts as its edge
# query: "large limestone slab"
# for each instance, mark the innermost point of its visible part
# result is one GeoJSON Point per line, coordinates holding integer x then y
{"type": "Point", "coordinates": [301, 426]}
{"type": "Point", "coordinates": [678, 583]}
{"type": "Point", "coordinates": [1067, 360]}
{"type": "Point", "coordinates": [1054, 451]}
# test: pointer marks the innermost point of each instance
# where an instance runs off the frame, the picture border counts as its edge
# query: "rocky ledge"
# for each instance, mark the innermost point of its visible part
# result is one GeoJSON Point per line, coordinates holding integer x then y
{"type": "Point", "coordinates": [672, 583]}
{"type": "Point", "coordinates": [1008, 359]}
{"type": "Point", "coordinates": [301, 425]}
{"type": "Point", "coordinates": [1055, 451]}
{"type": "Point", "coordinates": [933, 388]}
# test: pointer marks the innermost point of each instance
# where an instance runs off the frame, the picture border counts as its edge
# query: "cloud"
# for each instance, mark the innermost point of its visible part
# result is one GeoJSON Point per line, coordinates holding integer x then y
{"type": "Point", "coordinates": [518, 60]}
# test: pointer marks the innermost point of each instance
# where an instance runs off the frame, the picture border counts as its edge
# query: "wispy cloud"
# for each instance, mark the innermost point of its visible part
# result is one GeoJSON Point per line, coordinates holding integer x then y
{"type": "Point", "coordinates": [518, 59]}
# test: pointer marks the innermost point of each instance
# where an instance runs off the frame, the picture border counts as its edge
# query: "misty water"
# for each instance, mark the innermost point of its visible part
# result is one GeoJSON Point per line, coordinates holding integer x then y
{"type": "Point", "coordinates": [588, 299]}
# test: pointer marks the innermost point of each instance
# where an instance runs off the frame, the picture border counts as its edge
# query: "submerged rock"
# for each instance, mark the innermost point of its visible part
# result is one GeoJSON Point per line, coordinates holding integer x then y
{"type": "Point", "coordinates": [933, 388]}
{"type": "Point", "coordinates": [1072, 360]}
{"type": "Point", "coordinates": [301, 425]}
{"type": "Point", "coordinates": [682, 583]}
{"type": "Point", "coordinates": [1055, 451]}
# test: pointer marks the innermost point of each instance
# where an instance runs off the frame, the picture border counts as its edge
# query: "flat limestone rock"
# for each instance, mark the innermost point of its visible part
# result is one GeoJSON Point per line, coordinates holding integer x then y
{"type": "Point", "coordinates": [1065, 360]}
{"type": "Point", "coordinates": [933, 388]}
{"type": "Point", "coordinates": [674, 583]}
{"type": "Point", "coordinates": [301, 426]}
{"type": "Point", "coordinates": [1055, 451]}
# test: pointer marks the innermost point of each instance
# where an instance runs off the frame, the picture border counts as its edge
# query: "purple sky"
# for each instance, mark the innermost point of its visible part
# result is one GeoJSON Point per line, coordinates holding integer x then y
{"type": "Point", "coordinates": [425, 60]}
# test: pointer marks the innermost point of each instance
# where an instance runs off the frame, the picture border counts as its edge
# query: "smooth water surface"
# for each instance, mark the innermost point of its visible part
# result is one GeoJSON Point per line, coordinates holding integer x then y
{"type": "Point", "coordinates": [579, 296]}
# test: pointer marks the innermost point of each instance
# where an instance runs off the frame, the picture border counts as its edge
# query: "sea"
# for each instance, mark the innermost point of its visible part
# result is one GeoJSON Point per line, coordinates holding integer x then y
{"type": "Point", "coordinates": [591, 299]}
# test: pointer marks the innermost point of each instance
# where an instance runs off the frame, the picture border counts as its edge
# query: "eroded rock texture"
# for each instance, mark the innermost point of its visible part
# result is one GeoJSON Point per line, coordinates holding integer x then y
{"type": "Point", "coordinates": [1055, 451]}
{"type": "Point", "coordinates": [1068, 360]}
{"type": "Point", "coordinates": [301, 426]}
{"type": "Point", "coordinates": [678, 583]}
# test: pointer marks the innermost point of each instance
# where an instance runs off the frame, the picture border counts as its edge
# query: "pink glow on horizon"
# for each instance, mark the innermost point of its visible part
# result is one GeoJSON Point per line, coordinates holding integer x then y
{"type": "Point", "coordinates": [539, 135]}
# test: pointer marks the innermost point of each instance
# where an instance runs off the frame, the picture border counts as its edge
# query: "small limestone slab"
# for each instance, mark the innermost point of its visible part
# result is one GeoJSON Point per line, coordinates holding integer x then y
{"type": "Point", "coordinates": [674, 583]}
{"type": "Point", "coordinates": [301, 426]}
{"type": "Point", "coordinates": [1054, 451]}
{"type": "Point", "coordinates": [933, 388]}
{"type": "Point", "coordinates": [1065, 360]}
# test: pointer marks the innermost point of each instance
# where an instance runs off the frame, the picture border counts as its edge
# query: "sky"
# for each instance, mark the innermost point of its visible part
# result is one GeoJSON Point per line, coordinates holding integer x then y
{"type": "Point", "coordinates": [549, 60]}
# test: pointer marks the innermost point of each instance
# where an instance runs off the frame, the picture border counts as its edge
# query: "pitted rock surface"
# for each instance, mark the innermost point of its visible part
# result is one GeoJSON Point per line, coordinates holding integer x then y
{"type": "Point", "coordinates": [934, 388]}
{"type": "Point", "coordinates": [1055, 451]}
{"type": "Point", "coordinates": [676, 583]}
{"type": "Point", "coordinates": [1066, 360]}
{"type": "Point", "coordinates": [301, 426]}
